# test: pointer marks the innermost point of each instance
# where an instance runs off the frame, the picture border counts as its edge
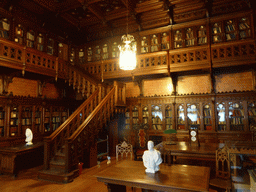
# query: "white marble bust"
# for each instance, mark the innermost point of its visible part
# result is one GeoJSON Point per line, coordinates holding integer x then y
{"type": "Point", "coordinates": [29, 137]}
{"type": "Point", "coordinates": [151, 158]}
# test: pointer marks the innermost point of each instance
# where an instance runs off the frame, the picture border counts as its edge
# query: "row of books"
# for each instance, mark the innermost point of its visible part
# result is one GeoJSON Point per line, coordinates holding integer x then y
{"type": "Point", "coordinates": [236, 121]}
{"type": "Point", "coordinates": [252, 112]}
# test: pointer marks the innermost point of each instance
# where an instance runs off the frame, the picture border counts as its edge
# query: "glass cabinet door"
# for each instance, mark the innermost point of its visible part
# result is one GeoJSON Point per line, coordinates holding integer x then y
{"type": "Point", "coordinates": [165, 41]}
{"type": "Point", "coordinates": [168, 117]}
{"type": "Point", "coordinates": [230, 30]}
{"type": "Point", "coordinates": [105, 51]}
{"type": "Point", "coordinates": [135, 116]}
{"type": "Point", "coordinates": [145, 114]}
{"type": "Point", "coordinates": [180, 117]}
{"type": "Point", "coordinates": [115, 50]}
{"type": "Point", "coordinates": [89, 54]}
{"type": "Point", "coordinates": [236, 116]}
{"type": "Point", "coordinates": [26, 118]}
{"type": "Point", "coordinates": [207, 117]}
{"type": "Point", "coordinates": [47, 124]}
{"type": "Point", "coordinates": [221, 120]}
{"type": "Point", "coordinates": [4, 28]}
{"type": "Point", "coordinates": [216, 33]}
{"type": "Point", "coordinates": [154, 43]}
{"type": "Point", "coordinates": [40, 42]}
{"type": "Point", "coordinates": [14, 121]}
{"type": "Point", "coordinates": [55, 118]}
{"type": "Point", "coordinates": [190, 40]}
{"type": "Point", "coordinates": [19, 32]}
{"type": "Point", "coordinates": [252, 115]}
{"type": "Point", "coordinates": [178, 39]}
{"type": "Point", "coordinates": [144, 45]}
{"type": "Point", "coordinates": [30, 38]}
{"type": "Point", "coordinates": [127, 119]}
{"type": "Point", "coordinates": [244, 28]}
{"type": "Point", "coordinates": [2, 118]}
{"type": "Point", "coordinates": [157, 117]}
{"type": "Point", "coordinates": [193, 115]}
{"type": "Point", "coordinates": [38, 119]}
{"type": "Point", "coordinates": [202, 36]}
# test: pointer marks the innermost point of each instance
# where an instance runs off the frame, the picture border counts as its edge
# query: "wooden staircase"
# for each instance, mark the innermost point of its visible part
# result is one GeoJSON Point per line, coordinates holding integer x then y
{"type": "Point", "coordinates": [69, 144]}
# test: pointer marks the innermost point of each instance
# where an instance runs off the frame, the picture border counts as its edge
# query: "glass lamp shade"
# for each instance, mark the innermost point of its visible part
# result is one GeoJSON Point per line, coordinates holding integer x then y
{"type": "Point", "coordinates": [127, 59]}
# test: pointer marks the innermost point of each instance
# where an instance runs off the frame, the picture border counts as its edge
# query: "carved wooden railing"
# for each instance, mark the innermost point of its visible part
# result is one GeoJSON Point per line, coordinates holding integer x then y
{"type": "Point", "coordinates": [13, 55]}
{"type": "Point", "coordinates": [86, 134]}
{"type": "Point", "coordinates": [55, 142]}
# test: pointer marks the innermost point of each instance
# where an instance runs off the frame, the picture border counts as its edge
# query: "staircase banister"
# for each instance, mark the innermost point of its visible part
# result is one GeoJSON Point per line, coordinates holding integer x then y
{"type": "Point", "coordinates": [71, 117]}
{"type": "Point", "coordinates": [90, 117]}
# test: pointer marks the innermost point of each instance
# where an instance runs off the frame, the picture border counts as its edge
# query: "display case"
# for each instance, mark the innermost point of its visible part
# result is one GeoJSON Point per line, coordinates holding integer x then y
{"type": "Point", "coordinates": [26, 118]}
{"type": "Point", "coordinates": [180, 117]}
{"type": "Point", "coordinates": [230, 30]}
{"type": "Point", "coordinates": [207, 116]}
{"type": "Point", "coordinates": [2, 121]}
{"type": "Point", "coordinates": [165, 41]}
{"type": "Point", "coordinates": [157, 117]}
{"type": "Point", "coordinates": [236, 116]}
{"type": "Point", "coordinates": [190, 39]}
{"type": "Point", "coordinates": [202, 35]}
{"type": "Point", "coordinates": [145, 114]}
{"type": "Point", "coordinates": [193, 114]}
{"type": "Point", "coordinates": [14, 121]}
{"type": "Point", "coordinates": [144, 45]}
{"type": "Point", "coordinates": [168, 117]}
{"type": "Point", "coordinates": [178, 39]}
{"type": "Point", "coordinates": [221, 117]}
{"type": "Point", "coordinates": [252, 115]}
{"type": "Point", "coordinates": [155, 46]}
{"type": "Point", "coordinates": [135, 115]}
{"type": "Point", "coordinates": [216, 33]}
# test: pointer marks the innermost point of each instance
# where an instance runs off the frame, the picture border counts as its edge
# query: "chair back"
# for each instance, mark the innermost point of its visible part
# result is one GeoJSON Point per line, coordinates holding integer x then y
{"type": "Point", "coordinates": [124, 149]}
{"type": "Point", "coordinates": [222, 163]}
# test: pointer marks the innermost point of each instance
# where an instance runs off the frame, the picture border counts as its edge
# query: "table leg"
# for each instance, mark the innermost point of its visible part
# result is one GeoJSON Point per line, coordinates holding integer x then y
{"type": "Point", "coordinates": [115, 188]}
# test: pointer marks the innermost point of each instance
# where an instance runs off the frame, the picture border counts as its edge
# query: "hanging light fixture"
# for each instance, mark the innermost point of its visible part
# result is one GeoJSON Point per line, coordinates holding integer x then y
{"type": "Point", "coordinates": [127, 58]}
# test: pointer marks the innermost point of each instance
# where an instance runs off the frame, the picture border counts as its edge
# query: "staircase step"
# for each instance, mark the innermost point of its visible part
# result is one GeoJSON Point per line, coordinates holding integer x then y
{"type": "Point", "coordinates": [57, 164]}
{"type": "Point", "coordinates": [57, 175]}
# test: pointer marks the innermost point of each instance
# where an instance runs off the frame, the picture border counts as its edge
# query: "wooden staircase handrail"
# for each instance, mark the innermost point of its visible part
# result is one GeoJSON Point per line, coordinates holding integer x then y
{"type": "Point", "coordinates": [90, 117]}
{"type": "Point", "coordinates": [71, 117]}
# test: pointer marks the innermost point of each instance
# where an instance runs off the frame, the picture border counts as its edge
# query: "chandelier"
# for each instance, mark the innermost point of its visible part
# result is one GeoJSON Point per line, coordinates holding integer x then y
{"type": "Point", "coordinates": [127, 59]}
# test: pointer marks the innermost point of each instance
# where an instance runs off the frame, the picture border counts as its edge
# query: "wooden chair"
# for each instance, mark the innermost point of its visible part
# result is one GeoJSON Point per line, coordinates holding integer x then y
{"type": "Point", "coordinates": [141, 140]}
{"type": "Point", "coordinates": [124, 149]}
{"type": "Point", "coordinates": [222, 178]}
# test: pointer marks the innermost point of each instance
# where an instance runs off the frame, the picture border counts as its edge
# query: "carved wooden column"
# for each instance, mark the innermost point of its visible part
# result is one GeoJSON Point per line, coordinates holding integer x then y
{"type": "Point", "coordinates": [40, 86]}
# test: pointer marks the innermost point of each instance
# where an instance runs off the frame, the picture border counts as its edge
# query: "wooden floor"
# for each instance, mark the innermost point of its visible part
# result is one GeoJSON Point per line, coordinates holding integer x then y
{"type": "Point", "coordinates": [27, 181]}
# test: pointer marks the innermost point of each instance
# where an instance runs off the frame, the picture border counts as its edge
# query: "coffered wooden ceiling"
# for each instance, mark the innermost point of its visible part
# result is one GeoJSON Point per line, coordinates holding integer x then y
{"type": "Point", "coordinates": [87, 20]}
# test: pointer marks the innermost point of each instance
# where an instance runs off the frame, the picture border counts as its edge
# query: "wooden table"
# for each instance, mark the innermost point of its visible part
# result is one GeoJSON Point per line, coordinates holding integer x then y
{"type": "Point", "coordinates": [8, 155]}
{"type": "Point", "coordinates": [170, 178]}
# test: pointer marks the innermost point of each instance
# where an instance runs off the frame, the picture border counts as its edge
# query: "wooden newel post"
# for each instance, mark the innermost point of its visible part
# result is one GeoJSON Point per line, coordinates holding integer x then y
{"type": "Point", "coordinates": [47, 152]}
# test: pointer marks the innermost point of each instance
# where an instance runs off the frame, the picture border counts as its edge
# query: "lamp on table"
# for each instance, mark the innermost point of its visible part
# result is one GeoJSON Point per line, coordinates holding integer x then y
{"type": "Point", "coordinates": [170, 131]}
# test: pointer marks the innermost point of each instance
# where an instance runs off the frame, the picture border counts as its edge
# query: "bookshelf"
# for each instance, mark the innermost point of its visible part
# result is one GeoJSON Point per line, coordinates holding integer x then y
{"type": "Point", "coordinates": [47, 116]}
{"type": "Point", "coordinates": [216, 33]}
{"type": "Point", "coordinates": [89, 54]}
{"type": "Point", "coordinates": [14, 121]}
{"type": "Point", "coordinates": [40, 42]}
{"type": "Point", "coordinates": [64, 114]}
{"type": "Point", "coordinates": [207, 117]}
{"type": "Point", "coordinates": [244, 28]}
{"type": "Point", "coordinates": [193, 115]}
{"type": "Point", "coordinates": [168, 117]}
{"type": "Point", "coordinates": [50, 46]}
{"type": "Point", "coordinates": [4, 28]}
{"type": "Point", "coordinates": [135, 115]}
{"type": "Point", "coordinates": [236, 116]}
{"type": "Point", "coordinates": [81, 56]}
{"type": "Point", "coordinates": [38, 119]}
{"type": "Point", "coordinates": [127, 119]}
{"type": "Point", "coordinates": [144, 45]}
{"type": "Point", "coordinates": [180, 117]}
{"type": "Point", "coordinates": [102, 147]}
{"type": "Point", "coordinates": [221, 120]}
{"type": "Point", "coordinates": [19, 33]}
{"type": "Point", "coordinates": [190, 40]}
{"type": "Point", "coordinates": [178, 40]}
{"type": "Point", "coordinates": [55, 118]}
{"type": "Point", "coordinates": [202, 35]}
{"type": "Point", "coordinates": [97, 53]}
{"type": "Point", "coordinates": [145, 114]}
{"type": "Point", "coordinates": [115, 50]}
{"type": "Point", "coordinates": [154, 43]}
{"type": "Point", "coordinates": [2, 120]}
{"type": "Point", "coordinates": [105, 51]}
{"type": "Point", "coordinates": [252, 115]}
{"type": "Point", "coordinates": [26, 118]}
{"type": "Point", "coordinates": [165, 41]}
{"type": "Point", "coordinates": [157, 117]}
{"type": "Point", "coordinates": [30, 38]}
{"type": "Point", "coordinates": [230, 30]}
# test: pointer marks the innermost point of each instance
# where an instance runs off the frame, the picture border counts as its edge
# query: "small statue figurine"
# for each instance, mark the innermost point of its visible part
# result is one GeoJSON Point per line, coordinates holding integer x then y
{"type": "Point", "coordinates": [29, 136]}
{"type": "Point", "coordinates": [151, 158]}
